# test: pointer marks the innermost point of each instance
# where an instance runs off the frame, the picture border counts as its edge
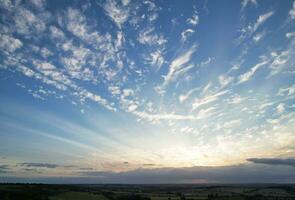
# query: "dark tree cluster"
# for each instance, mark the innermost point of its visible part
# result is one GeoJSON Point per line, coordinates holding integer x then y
{"type": "Point", "coordinates": [132, 197]}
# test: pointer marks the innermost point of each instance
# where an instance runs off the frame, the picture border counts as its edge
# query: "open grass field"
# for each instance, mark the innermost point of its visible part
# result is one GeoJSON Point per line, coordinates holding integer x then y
{"type": "Point", "coordinates": [77, 196]}
{"type": "Point", "coordinates": [145, 192]}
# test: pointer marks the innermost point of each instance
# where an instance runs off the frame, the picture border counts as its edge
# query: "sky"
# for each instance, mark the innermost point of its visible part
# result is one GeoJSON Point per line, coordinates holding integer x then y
{"type": "Point", "coordinates": [147, 91]}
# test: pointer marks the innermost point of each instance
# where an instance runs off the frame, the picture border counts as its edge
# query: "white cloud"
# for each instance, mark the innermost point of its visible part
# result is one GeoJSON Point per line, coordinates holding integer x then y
{"type": "Point", "coordinates": [232, 124]}
{"type": "Point", "coordinates": [208, 99]}
{"type": "Point", "coordinates": [51, 71]}
{"type": "Point", "coordinates": [132, 107]}
{"type": "Point", "coordinates": [182, 72]}
{"type": "Point", "coordinates": [187, 129]}
{"type": "Point", "coordinates": [56, 32]}
{"type": "Point", "coordinates": [261, 19]}
{"type": "Point", "coordinates": [30, 73]}
{"type": "Point", "coordinates": [225, 80]}
{"type": "Point", "coordinates": [264, 105]}
{"type": "Point", "coordinates": [120, 40]}
{"type": "Point", "coordinates": [56, 78]}
{"type": "Point", "coordinates": [246, 2]}
{"type": "Point", "coordinates": [150, 37]}
{"type": "Point", "coordinates": [186, 33]}
{"type": "Point", "coordinates": [290, 34]}
{"type": "Point", "coordinates": [280, 60]}
{"type": "Point", "coordinates": [156, 59]}
{"type": "Point", "coordinates": [205, 113]}
{"type": "Point", "coordinates": [292, 12]}
{"type": "Point", "coordinates": [153, 16]}
{"type": "Point", "coordinates": [250, 29]}
{"type": "Point", "coordinates": [9, 43]}
{"type": "Point", "coordinates": [206, 88]}
{"type": "Point", "coordinates": [118, 14]}
{"type": "Point", "coordinates": [126, 2]}
{"type": "Point", "coordinates": [128, 92]}
{"type": "Point", "coordinates": [27, 22]}
{"type": "Point", "coordinates": [26, 71]}
{"type": "Point", "coordinates": [46, 52]}
{"type": "Point", "coordinates": [84, 94]}
{"type": "Point", "coordinates": [78, 62]}
{"type": "Point", "coordinates": [163, 116]}
{"type": "Point", "coordinates": [178, 64]}
{"type": "Point", "coordinates": [6, 4]}
{"type": "Point", "coordinates": [45, 67]}
{"type": "Point", "coordinates": [78, 25]}
{"type": "Point", "coordinates": [194, 20]}
{"type": "Point", "coordinates": [259, 36]}
{"type": "Point", "coordinates": [273, 121]}
{"type": "Point", "coordinates": [74, 66]}
{"type": "Point", "coordinates": [39, 3]}
{"type": "Point", "coordinates": [206, 62]}
{"type": "Point", "coordinates": [289, 91]}
{"type": "Point", "coordinates": [281, 108]}
{"type": "Point", "coordinates": [235, 99]}
{"type": "Point", "coordinates": [248, 75]}
{"type": "Point", "coordinates": [51, 75]}
{"type": "Point", "coordinates": [128, 101]}
{"type": "Point", "coordinates": [115, 90]}
{"type": "Point", "coordinates": [183, 97]}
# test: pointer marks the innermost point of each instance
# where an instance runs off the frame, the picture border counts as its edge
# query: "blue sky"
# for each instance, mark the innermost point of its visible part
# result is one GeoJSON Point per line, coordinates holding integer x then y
{"type": "Point", "coordinates": [117, 89]}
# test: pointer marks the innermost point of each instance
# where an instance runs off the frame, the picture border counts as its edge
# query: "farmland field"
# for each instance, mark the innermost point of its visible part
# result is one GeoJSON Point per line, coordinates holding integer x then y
{"type": "Point", "coordinates": [146, 192]}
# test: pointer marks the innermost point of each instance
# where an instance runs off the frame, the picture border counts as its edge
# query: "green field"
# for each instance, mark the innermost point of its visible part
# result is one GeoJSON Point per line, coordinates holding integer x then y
{"type": "Point", "coordinates": [77, 196]}
{"type": "Point", "coordinates": [145, 192]}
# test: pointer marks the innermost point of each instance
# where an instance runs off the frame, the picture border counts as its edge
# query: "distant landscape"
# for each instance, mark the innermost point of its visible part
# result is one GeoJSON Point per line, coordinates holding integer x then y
{"type": "Point", "coordinates": [146, 192]}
